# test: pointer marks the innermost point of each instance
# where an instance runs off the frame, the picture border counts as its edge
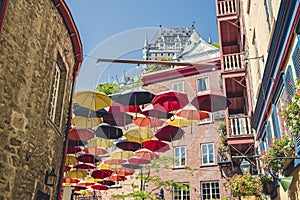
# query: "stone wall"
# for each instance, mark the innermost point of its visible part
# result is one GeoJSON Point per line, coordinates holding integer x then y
{"type": "Point", "coordinates": [33, 36]}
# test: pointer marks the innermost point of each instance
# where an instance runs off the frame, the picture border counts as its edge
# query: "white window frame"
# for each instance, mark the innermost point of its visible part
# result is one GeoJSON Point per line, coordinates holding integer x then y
{"type": "Point", "coordinates": [207, 120]}
{"type": "Point", "coordinates": [181, 194]}
{"type": "Point", "coordinates": [280, 105]}
{"type": "Point", "coordinates": [208, 84]}
{"type": "Point", "coordinates": [207, 154]}
{"type": "Point", "coordinates": [54, 94]}
{"type": "Point", "coordinates": [177, 84]}
{"type": "Point", "coordinates": [212, 190]}
{"type": "Point", "coordinates": [179, 158]}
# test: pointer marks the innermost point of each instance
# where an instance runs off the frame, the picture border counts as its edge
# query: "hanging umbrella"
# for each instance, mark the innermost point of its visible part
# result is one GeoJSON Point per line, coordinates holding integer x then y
{"type": "Point", "coordinates": [170, 100]}
{"type": "Point", "coordinates": [156, 111]}
{"type": "Point", "coordinates": [117, 107]}
{"type": "Point", "coordinates": [146, 154]}
{"type": "Point", "coordinates": [70, 180]}
{"type": "Point", "coordinates": [169, 133]}
{"type": "Point", "coordinates": [138, 161]}
{"type": "Point", "coordinates": [70, 160]}
{"type": "Point", "coordinates": [79, 134]}
{"type": "Point", "coordinates": [92, 100]}
{"type": "Point", "coordinates": [88, 158]}
{"type": "Point", "coordinates": [101, 173]}
{"type": "Point", "coordinates": [116, 177]}
{"type": "Point", "coordinates": [74, 149]}
{"type": "Point", "coordinates": [114, 161]}
{"type": "Point", "coordinates": [191, 113]}
{"type": "Point", "coordinates": [133, 97]}
{"type": "Point", "coordinates": [83, 192]}
{"type": "Point", "coordinates": [85, 122]}
{"type": "Point", "coordinates": [139, 134]}
{"type": "Point", "coordinates": [117, 119]}
{"type": "Point", "coordinates": [81, 165]}
{"type": "Point", "coordinates": [77, 173]}
{"type": "Point", "coordinates": [149, 122]}
{"type": "Point", "coordinates": [88, 113]}
{"type": "Point", "coordinates": [156, 145]}
{"type": "Point", "coordinates": [120, 154]}
{"type": "Point", "coordinates": [103, 166]}
{"type": "Point", "coordinates": [180, 121]}
{"type": "Point", "coordinates": [107, 182]}
{"type": "Point", "coordinates": [93, 180]}
{"type": "Point", "coordinates": [67, 168]}
{"type": "Point", "coordinates": [98, 186]}
{"type": "Point", "coordinates": [131, 166]}
{"type": "Point", "coordinates": [210, 101]}
{"type": "Point", "coordinates": [128, 146]}
{"type": "Point", "coordinates": [72, 143]}
{"type": "Point", "coordinates": [96, 151]}
{"type": "Point", "coordinates": [85, 183]}
{"type": "Point", "coordinates": [100, 142]}
{"type": "Point", "coordinates": [106, 131]}
{"type": "Point", "coordinates": [124, 171]}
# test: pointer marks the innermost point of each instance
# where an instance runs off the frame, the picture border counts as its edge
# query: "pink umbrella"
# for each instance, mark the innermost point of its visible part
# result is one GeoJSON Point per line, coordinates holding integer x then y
{"type": "Point", "coordinates": [95, 150]}
{"type": "Point", "coordinates": [101, 173]}
{"type": "Point", "coordinates": [146, 154]}
{"type": "Point", "coordinates": [156, 145]}
{"type": "Point", "coordinates": [138, 161]}
{"type": "Point", "coordinates": [114, 161]}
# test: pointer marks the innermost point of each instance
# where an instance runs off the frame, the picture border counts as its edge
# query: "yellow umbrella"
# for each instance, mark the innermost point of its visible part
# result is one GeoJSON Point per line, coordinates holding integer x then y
{"type": "Point", "coordinates": [104, 166]}
{"type": "Point", "coordinates": [100, 142]}
{"type": "Point", "coordinates": [84, 192]}
{"type": "Point", "coordinates": [70, 160]}
{"type": "Point", "coordinates": [92, 99]}
{"type": "Point", "coordinates": [77, 173]}
{"type": "Point", "coordinates": [180, 121]}
{"type": "Point", "coordinates": [120, 154]}
{"type": "Point", "coordinates": [93, 180]}
{"type": "Point", "coordinates": [139, 134]}
{"type": "Point", "coordinates": [84, 122]}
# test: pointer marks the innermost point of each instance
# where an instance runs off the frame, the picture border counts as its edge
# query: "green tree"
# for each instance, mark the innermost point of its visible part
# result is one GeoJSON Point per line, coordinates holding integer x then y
{"type": "Point", "coordinates": [108, 88]}
{"type": "Point", "coordinates": [154, 68]}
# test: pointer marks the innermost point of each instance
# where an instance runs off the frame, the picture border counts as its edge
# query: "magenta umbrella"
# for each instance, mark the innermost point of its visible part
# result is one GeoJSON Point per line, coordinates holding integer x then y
{"type": "Point", "coordinates": [169, 133]}
{"type": "Point", "coordinates": [156, 145]}
{"type": "Point", "coordinates": [210, 101]}
{"type": "Point", "coordinates": [128, 146]}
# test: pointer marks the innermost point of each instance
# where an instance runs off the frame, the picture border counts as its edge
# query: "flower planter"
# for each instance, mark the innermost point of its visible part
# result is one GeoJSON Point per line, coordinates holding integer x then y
{"type": "Point", "coordinates": [249, 197]}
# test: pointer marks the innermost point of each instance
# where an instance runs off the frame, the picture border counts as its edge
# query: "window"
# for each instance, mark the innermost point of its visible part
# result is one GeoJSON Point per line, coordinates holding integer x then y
{"type": "Point", "coordinates": [208, 155]}
{"type": "Point", "coordinates": [289, 83]}
{"type": "Point", "coordinates": [296, 58]}
{"type": "Point", "coordinates": [280, 107]}
{"type": "Point", "coordinates": [203, 84]}
{"type": "Point", "coordinates": [178, 86]}
{"type": "Point", "coordinates": [181, 193]}
{"type": "Point", "coordinates": [179, 154]}
{"type": "Point", "coordinates": [269, 12]}
{"type": "Point", "coordinates": [210, 190]}
{"type": "Point", "coordinates": [266, 137]}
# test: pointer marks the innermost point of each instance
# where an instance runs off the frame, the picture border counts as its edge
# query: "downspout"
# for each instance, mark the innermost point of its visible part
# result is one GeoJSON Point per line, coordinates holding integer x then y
{"type": "Point", "coordinates": [3, 9]}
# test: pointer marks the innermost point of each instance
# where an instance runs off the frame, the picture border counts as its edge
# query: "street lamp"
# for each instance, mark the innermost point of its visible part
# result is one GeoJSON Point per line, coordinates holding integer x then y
{"type": "Point", "coordinates": [245, 167]}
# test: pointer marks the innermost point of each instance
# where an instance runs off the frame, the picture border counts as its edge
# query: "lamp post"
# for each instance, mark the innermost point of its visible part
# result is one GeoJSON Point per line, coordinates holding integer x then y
{"type": "Point", "coordinates": [245, 167]}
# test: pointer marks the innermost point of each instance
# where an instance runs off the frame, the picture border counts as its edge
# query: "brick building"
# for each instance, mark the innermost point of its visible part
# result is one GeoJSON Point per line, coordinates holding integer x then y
{"type": "Point", "coordinates": [40, 56]}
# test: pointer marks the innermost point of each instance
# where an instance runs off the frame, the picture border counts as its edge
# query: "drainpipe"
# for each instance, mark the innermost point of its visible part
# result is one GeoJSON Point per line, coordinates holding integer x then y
{"type": "Point", "coordinates": [3, 9]}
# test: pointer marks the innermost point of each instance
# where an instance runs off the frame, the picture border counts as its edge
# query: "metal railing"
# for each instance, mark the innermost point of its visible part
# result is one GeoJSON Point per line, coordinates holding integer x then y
{"type": "Point", "coordinates": [233, 61]}
{"type": "Point", "coordinates": [226, 7]}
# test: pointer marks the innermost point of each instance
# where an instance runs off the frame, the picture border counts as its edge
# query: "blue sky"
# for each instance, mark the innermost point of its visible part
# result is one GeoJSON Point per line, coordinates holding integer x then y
{"type": "Point", "coordinates": [117, 28]}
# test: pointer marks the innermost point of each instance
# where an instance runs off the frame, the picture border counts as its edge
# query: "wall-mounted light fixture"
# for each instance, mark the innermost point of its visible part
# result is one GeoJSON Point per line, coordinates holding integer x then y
{"type": "Point", "coordinates": [50, 178]}
{"type": "Point", "coordinates": [245, 167]}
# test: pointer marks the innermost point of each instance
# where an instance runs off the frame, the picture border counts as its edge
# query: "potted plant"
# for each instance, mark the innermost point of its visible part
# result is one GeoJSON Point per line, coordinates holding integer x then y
{"type": "Point", "coordinates": [223, 137]}
{"type": "Point", "coordinates": [267, 184]}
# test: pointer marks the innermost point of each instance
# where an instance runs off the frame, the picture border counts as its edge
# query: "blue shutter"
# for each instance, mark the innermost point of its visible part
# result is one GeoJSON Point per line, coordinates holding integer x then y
{"type": "Point", "coordinates": [262, 145]}
{"type": "Point", "coordinates": [297, 149]}
{"type": "Point", "coordinates": [289, 83]}
{"type": "Point", "coordinates": [275, 122]}
{"type": "Point", "coordinates": [296, 59]}
{"type": "Point", "coordinates": [269, 134]}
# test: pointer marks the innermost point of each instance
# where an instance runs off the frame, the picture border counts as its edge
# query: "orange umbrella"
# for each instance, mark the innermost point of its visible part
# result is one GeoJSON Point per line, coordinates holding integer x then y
{"type": "Point", "coordinates": [116, 177]}
{"type": "Point", "coordinates": [124, 171]}
{"type": "Point", "coordinates": [85, 183]}
{"type": "Point", "coordinates": [146, 154]}
{"type": "Point", "coordinates": [95, 150]}
{"type": "Point", "coordinates": [149, 122]}
{"type": "Point", "coordinates": [70, 180]}
{"type": "Point", "coordinates": [191, 113]}
{"type": "Point", "coordinates": [79, 134]}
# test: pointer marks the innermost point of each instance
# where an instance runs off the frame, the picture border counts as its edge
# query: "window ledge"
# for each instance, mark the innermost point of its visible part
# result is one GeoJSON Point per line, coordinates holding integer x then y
{"type": "Point", "coordinates": [209, 165]}
{"type": "Point", "coordinates": [179, 167]}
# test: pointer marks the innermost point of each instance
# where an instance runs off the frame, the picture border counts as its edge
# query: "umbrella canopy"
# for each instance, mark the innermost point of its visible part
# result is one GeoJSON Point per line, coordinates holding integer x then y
{"type": "Point", "coordinates": [88, 158]}
{"type": "Point", "coordinates": [149, 122]}
{"type": "Point", "coordinates": [92, 100]}
{"type": "Point", "coordinates": [77, 173]}
{"type": "Point", "coordinates": [98, 186]}
{"type": "Point", "coordinates": [70, 180]}
{"type": "Point", "coordinates": [108, 132]}
{"type": "Point", "coordinates": [100, 142]}
{"type": "Point", "coordinates": [84, 122]}
{"type": "Point", "coordinates": [74, 149]}
{"type": "Point", "coordinates": [70, 160]}
{"type": "Point", "coordinates": [210, 101]}
{"type": "Point", "coordinates": [191, 113]}
{"type": "Point", "coordinates": [180, 121]}
{"type": "Point", "coordinates": [117, 119]}
{"type": "Point", "coordinates": [169, 133]}
{"type": "Point", "coordinates": [146, 154]}
{"type": "Point", "coordinates": [95, 150]}
{"type": "Point", "coordinates": [93, 180]}
{"type": "Point", "coordinates": [67, 168]}
{"type": "Point", "coordinates": [72, 143]}
{"type": "Point", "coordinates": [156, 111]}
{"type": "Point", "coordinates": [103, 166]}
{"type": "Point", "coordinates": [133, 97]}
{"type": "Point", "coordinates": [120, 154]}
{"type": "Point", "coordinates": [116, 177]}
{"type": "Point", "coordinates": [107, 182]}
{"type": "Point", "coordinates": [88, 113]}
{"type": "Point", "coordinates": [114, 161]}
{"type": "Point", "coordinates": [170, 100]}
{"type": "Point", "coordinates": [128, 146]}
{"type": "Point", "coordinates": [131, 166]}
{"type": "Point", "coordinates": [139, 134]}
{"type": "Point", "coordinates": [117, 107]}
{"type": "Point", "coordinates": [84, 166]}
{"type": "Point", "coordinates": [85, 183]}
{"type": "Point", "coordinates": [156, 145]}
{"type": "Point", "coordinates": [124, 171]}
{"type": "Point", "coordinates": [79, 134]}
{"type": "Point", "coordinates": [101, 173]}
{"type": "Point", "coordinates": [138, 161]}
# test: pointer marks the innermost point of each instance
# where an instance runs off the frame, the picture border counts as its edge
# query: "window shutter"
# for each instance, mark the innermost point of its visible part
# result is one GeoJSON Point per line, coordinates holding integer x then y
{"type": "Point", "coordinates": [269, 135]}
{"type": "Point", "coordinates": [296, 59]}
{"type": "Point", "coordinates": [289, 83]}
{"type": "Point", "coordinates": [275, 122]}
{"type": "Point", "coordinates": [262, 145]}
{"type": "Point", "coordinates": [297, 149]}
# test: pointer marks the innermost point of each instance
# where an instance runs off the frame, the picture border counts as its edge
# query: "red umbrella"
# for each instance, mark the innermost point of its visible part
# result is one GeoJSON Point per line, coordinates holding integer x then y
{"type": "Point", "coordinates": [191, 113]}
{"type": "Point", "coordinates": [98, 186]}
{"type": "Point", "coordinates": [146, 154]}
{"type": "Point", "coordinates": [117, 107]}
{"type": "Point", "coordinates": [116, 177]}
{"type": "Point", "coordinates": [171, 100]}
{"type": "Point", "coordinates": [169, 133]}
{"type": "Point", "coordinates": [95, 150]}
{"type": "Point", "coordinates": [138, 161]}
{"type": "Point", "coordinates": [128, 146]}
{"type": "Point", "coordinates": [156, 111]}
{"type": "Point", "coordinates": [73, 149]}
{"type": "Point", "coordinates": [156, 145]}
{"type": "Point", "coordinates": [88, 158]}
{"type": "Point", "coordinates": [108, 132]}
{"type": "Point", "coordinates": [124, 171]}
{"type": "Point", "coordinates": [67, 168]}
{"type": "Point", "coordinates": [149, 122]}
{"type": "Point", "coordinates": [210, 101]}
{"type": "Point", "coordinates": [101, 173]}
{"type": "Point", "coordinates": [79, 134]}
{"type": "Point", "coordinates": [84, 166]}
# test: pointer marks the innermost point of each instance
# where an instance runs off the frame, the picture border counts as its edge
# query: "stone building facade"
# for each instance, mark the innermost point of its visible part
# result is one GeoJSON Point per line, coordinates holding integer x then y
{"type": "Point", "coordinates": [40, 55]}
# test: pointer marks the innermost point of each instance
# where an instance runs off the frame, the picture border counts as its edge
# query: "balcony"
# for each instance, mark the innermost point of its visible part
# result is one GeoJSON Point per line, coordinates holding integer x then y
{"type": "Point", "coordinates": [233, 62]}
{"type": "Point", "coordinates": [226, 7]}
{"type": "Point", "coordinates": [240, 126]}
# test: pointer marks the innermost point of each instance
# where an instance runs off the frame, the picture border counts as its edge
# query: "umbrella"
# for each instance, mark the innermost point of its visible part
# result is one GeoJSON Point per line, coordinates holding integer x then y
{"type": "Point", "coordinates": [85, 183]}
{"type": "Point", "coordinates": [95, 150]}
{"type": "Point", "coordinates": [85, 122]}
{"type": "Point", "coordinates": [139, 134]}
{"type": "Point", "coordinates": [156, 111]}
{"type": "Point", "coordinates": [180, 121]}
{"type": "Point", "coordinates": [149, 122]}
{"type": "Point", "coordinates": [131, 166]}
{"type": "Point", "coordinates": [210, 101]}
{"type": "Point", "coordinates": [114, 161]}
{"type": "Point", "coordinates": [76, 143]}
{"type": "Point", "coordinates": [77, 173]}
{"type": "Point", "coordinates": [73, 149]}
{"type": "Point", "coordinates": [156, 145]}
{"type": "Point", "coordinates": [120, 154]}
{"type": "Point", "coordinates": [169, 133]}
{"type": "Point", "coordinates": [107, 182]}
{"type": "Point", "coordinates": [117, 119]}
{"type": "Point", "coordinates": [88, 158]}
{"type": "Point", "coordinates": [117, 177]}
{"type": "Point", "coordinates": [100, 142]}
{"type": "Point", "coordinates": [67, 168]}
{"type": "Point", "coordinates": [170, 100]}
{"type": "Point", "coordinates": [84, 166]}
{"type": "Point", "coordinates": [138, 161]}
{"type": "Point", "coordinates": [70, 180]}
{"type": "Point", "coordinates": [92, 100]}
{"type": "Point", "coordinates": [133, 97]}
{"type": "Point", "coordinates": [79, 134]}
{"type": "Point", "coordinates": [98, 186]}
{"type": "Point", "coordinates": [83, 192]}
{"type": "Point", "coordinates": [146, 154]}
{"type": "Point", "coordinates": [108, 132]}
{"type": "Point", "coordinates": [117, 107]}
{"type": "Point", "coordinates": [101, 173]}
{"type": "Point", "coordinates": [128, 146]}
{"type": "Point", "coordinates": [191, 113]}
{"type": "Point", "coordinates": [70, 160]}
{"type": "Point", "coordinates": [85, 112]}
{"type": "Point", "coordinates": [93, 180]}
{"type": "Point", "coordinates": [103, 166]}
{"type": "Point", "coordinates": [124, 171]}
